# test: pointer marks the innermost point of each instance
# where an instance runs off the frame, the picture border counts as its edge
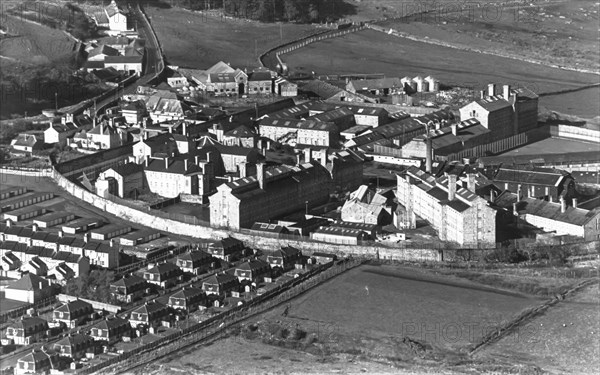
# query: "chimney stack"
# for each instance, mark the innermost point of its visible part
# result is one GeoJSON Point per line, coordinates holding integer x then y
{"type": "Point", "coordinates": [34, 227]}
{"type": "Point", "coordinates": [324, 157]}
{"type": "Point", "coordinates": [307, 155]}
{"type": "Point", "coordinates": [185, 165]}
{"type": "Point", "coordinates": [515, 211]}
{"type": "Point", "coordinates": [428, 154]}
{"type": "Point", "coordinates": [86, 237]}
{"type": "Point", "coordinates": [454, 128]}
{"type": "Point", "coordinates": [563, 204]}
{"type": "Point", "coordinates": [146, 160]}
{"type": "Point", "coordinates": [166, 162]}
{"type": "Point", "coordinates": [491, 89]}
{"type": "Point", "coordinates": [471, 182]}
{"type": "Point", "coordinates": [197, 159]}
{"type": "Point", "coordinates": [451, 186]}
{"type": "Point", "coordinates": [481, 94]}
{"type": "Point", "coordinates": [61, 233]}
{"type": "Point", "coordinates": [184, 129]}
{"type": "Point", "coordinates": [298, 158]}
{"type": "Point", "coordinates": [492, 195]}
{"type": "Point", "coordinates": [242, 168]}
{"type": "Point", "coordinates": [574, 202]}
{"type": "Point", "coordinates": [519, 192]}
{"type": "Point", "coordinates": [506, 92]}
{"type": "Point", "coordinates": [260, 175]}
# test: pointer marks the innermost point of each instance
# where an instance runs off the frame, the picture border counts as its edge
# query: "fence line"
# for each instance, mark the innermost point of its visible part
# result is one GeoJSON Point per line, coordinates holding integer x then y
{"type": "Point", "coordinates": [15, 313]}
{"type": "Point", "coordinates": [209, 327]}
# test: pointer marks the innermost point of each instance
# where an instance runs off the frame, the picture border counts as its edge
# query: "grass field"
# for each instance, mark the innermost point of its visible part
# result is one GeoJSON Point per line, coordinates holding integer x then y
{"type": "Point", "coordinates": [360, 319]}
{"type": "Point", "coordinates": [192, 40]}
{"type": "Point", "coordinates": [572, 348]}
{"type": "Point", "coordinates": [375, 52]}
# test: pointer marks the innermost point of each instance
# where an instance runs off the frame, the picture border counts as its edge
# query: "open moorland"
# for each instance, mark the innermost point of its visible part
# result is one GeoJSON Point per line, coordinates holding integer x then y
{"type": "Point", "coordinates": [194, 40]}
{"type": "Point", "coordinates": [563, 33]}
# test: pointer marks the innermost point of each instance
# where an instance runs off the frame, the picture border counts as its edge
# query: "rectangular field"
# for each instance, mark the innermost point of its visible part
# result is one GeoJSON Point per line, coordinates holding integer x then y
{"type": "Point", "coordinates": [375, 52]}
{"type": "Point", "coordinates": [379, 301]}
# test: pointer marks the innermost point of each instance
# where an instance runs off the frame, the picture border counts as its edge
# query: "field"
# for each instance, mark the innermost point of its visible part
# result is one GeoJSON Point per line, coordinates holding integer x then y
{"type": "Point", "coordinates": [370, 319]}
{"type": "Point", "coordinates": [193, 40]}
{"type": "Point", "coordinates": [566, 339]}
{"type": "Point", "coordinates": [362, 52]}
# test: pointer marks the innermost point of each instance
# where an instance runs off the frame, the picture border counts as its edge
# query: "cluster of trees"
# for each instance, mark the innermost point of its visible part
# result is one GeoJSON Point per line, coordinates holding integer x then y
{"type": "Point", "coordinates": [94, 285]}
{"type": "Point", "coordinates": [302, 11]}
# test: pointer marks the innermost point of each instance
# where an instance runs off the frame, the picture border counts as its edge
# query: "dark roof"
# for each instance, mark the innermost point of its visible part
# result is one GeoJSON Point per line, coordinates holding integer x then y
{"type": "Point", "coordinates": [103, 50]}
{"type": "Point", "coordinates": [259, 76]}
{"type": "Point", "coordinates": [235, 150]}
{"type": "Point", "coordinates": [30, 282]}
{"type": "Point", "coordinates": [75, 340]}
{"type": "Point", "coordinates": [286, 251]}
{"type": "Point", "coordinates": [253, 264]}
{"type": "Point", "coordinates": [129, 281]}
{"type": "Point", "coordinates": [112, 323]}
{"type": "Point", "coordinates": [74, 305]}
{"type": "Point", "coordinates": [187, 292]}
{"type": "Point", "coordinates": [458, 205]}
{"type": "Point", "coordinates": [137, 59]}
{"type": "Point", "coordinates": [176, 165]}
{"type": "Point", "coordinates": [221, 278]}
{"type": "Point", "coordinates": [493, 103]}
{"type": "Point", "coordinates": [195, 256]}
{"type": "Point", "coordinates": [150, 307]}
{"type": "Point", "coordinates": [163, 268]}
{"type": "Point", "coordinates": [27, 323]}
{"type": "Point", "coordinates": [241, 131]}
{"type": "Point", "coordinates": [530, 176]}
{"type": "Point", "coordinates": [552, 211]}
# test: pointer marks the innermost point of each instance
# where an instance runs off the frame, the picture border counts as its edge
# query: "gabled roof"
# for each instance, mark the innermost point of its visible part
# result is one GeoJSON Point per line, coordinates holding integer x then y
{"type": "Point", "coordinates": [150, 307]}
{"type": "Point", "coordinates": [163, 268]}
{"type": "Point", "coordinates": [251, 265]}
{"type": "Point", "coordinates": [195, 256]}
{"type": "Point", "coordinates": [259, 76]}
{"type": "Point", "coordinates": [74, 305]}
{"type": "Point", "coordinates": [287, 251]}
{"type": "Point", "coordinates": [25, 139]}
{"type": "Point", "coordinates": [175, 165]}
{"type": "Point", "coordinates": [221, 278]}
{"type": "Point", "coordinates": [241, 131]}
{"type": "Point", "coordinates": [220, 67]}
{"type": "Point", "coordinates": [35, 356]}
{"type": "Point", "coordinates": [135, 59]}
{"type": "Point", "coordinates": [111, 323]}
{"type": "Point", "coordinates": [30, 282]}
{"type": "Point", "coordinates": [75, 340]}
{"type": "Point", "coordinates": [129, 281]}
{"type": "Point", "coordinates": [103, 50]}
{"type": "Point", "coordinates": [187, 293]}
{"type": "Point", "coordinates": [533, 176]}
{"type": "Point", "coordinates": [552, 211]}
{"type": "Point", "coordinates": [27, 323]}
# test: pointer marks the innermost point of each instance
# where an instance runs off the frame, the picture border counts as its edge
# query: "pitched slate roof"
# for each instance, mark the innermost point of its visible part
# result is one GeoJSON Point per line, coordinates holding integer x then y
{"type": "Point", "coordinates": [30, 282]}
{"type": "Point", "coordinates": [111, 323]}
{"type": "Point", "coordinates": [150, 307]}
{"type": "Point", "coordinates": [29, 322]}
{"type": "Point", "coordinates": [129, 281]}
{"type": "Point", "coordinates": [103, 50]}
{"type": "Point", "coordinates": [74, 305]}
{"type": "Point", "coordinates": [163, 268]}
{"type": "Point", "coordinates": [533, 176]}
{"type": "Point", "coordinates": [241, 131]}
{"type": "Point", "coordinates": [75, 340]}
{"type": "Point", "coordinates": [221, 278]}
{"type": "Point", "coordinates": [128, 169]}
{"type": "Point", "coordinates": [552, 211]}
{"type": "Point", "coordinates": [251, 265]}
{"type": "Point", "coordinates": [493, 103]}
{"type": "Point", "coordinates": [194, 256]}
{"type": "Point", "coordinates": [187, 293]}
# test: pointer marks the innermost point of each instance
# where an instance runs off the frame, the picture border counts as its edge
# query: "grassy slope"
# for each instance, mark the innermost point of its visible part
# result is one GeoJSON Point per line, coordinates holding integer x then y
{"type": "Point", "coordinates": [573, 348]}
{"type": "Point", "coordinates": [192, 40]}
